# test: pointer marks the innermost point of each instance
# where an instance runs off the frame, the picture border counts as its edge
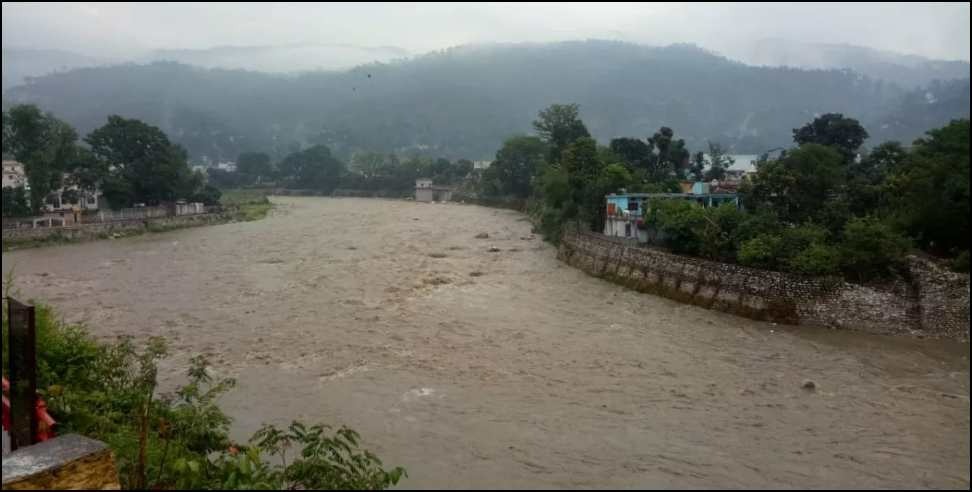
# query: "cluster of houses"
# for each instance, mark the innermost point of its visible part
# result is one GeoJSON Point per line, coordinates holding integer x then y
{"type": "Point", "coordinates": [625, 212]}
{"type": "Point", "coordinates": [67, 198]}
{"type": "Point", "coordinates": [70, 205]}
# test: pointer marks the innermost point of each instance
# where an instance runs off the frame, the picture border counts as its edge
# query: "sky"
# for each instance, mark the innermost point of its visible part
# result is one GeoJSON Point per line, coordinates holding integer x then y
{"type": "Point", "coordinates": [118, 30]}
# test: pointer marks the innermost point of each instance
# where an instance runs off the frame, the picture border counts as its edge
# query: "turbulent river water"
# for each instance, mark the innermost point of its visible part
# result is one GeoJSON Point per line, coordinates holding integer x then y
{"type": "Point", "coordinates": [476, 368]}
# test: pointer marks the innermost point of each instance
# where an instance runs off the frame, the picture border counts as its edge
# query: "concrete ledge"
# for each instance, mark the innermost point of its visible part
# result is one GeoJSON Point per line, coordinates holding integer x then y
{"type": "Point", "coordinates": [65, 462]}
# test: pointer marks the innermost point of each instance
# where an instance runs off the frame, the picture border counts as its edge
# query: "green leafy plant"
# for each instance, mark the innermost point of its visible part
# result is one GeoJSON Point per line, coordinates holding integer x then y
{"type": "Point", "coordinates": [108, 391]}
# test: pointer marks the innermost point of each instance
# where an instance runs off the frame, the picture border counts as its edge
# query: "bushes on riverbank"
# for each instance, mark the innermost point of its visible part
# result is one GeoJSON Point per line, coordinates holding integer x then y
{"type": "Point", "coordinates": [825, 207]}
{"type": "Point", "coordinates": [109, 392]}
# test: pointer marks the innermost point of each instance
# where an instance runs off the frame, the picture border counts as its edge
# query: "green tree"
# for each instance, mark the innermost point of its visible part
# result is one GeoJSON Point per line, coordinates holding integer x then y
{"type": "Point", "coordinates": [15, 202]}
{"type": "Point", "coordinates": [796, 187]}
{"type": "Point", "coordinates": [681, 223]}
{"type": "Point", "coordinates": [833, 130]}
{"type": "Point", "coordinates": [368, 164]}
{"type": "Point", "coordinates": [720, 232]}
{"type": "Point", "coordinates": [583, 168]}
{"type": "Point", "coordinates": [313, 167]}
{"type": "Point", "coordinates": [560, 125]}
{"type": "Point", "coordinates": [670, 158]}
{"type": "Point", "coordinates": [929, 190]}
{"type": "Point", "coordinates": [516, 163]}
{"type": "Point", "coordinates": [461, 169]}
{"type": "Point", "coordinates": [635, 153]}
{"type": "Point", "coordinates": [144, 166]}
{"type": "Point", "coordinates": [697, 171]}
{"type": "Point", "coordinates": [871, 248]}
{"type": "Point", "coordinates": [719, 161]}
{"type": "Point", "coordinates": [44, 144]}
{"type": "Point", "coordinates": [866, 179]}
{"type": "Point", "coordinates": [255, 165]}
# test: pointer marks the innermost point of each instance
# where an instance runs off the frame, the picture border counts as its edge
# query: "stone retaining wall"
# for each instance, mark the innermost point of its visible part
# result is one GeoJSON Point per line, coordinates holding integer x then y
{"type": "Point", "coordinates": [12, 237]}
{"type": "Point", "coordinates": [933, 303]}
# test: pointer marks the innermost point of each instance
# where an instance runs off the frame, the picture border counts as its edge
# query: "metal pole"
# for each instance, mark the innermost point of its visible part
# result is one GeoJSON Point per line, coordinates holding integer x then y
{"type": "Point", "coordinates": [22, 346]}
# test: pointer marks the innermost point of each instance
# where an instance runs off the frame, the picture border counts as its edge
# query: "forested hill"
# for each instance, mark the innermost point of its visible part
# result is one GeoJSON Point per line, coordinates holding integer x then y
{"type": "Point", "coordinates": [464, 101]}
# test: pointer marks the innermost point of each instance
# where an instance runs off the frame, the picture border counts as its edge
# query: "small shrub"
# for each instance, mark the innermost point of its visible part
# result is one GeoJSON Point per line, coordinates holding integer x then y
{"type": "Point", "coordinates": [681, 222]}
{"type": "Point", "coordinates": [871, 248]}
{"type": "Point", "coordinates": [816, 259]}
{"type": "Point", "coordinates": [760, 252]}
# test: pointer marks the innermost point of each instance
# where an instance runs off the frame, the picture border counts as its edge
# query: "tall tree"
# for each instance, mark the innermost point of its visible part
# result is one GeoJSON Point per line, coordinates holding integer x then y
{"type": "Point", "coordinates": [314, 167]}
{"type": "Point", "coordinates": [833, 130]}
{"type": "Point", "coordinates": [44, 144]}
{"type": "Point", "coordinates": [719, 161]}
{"type": "Point", "coordinates": [560, 125]}
{"type": "Point", "coordinates": [671, 158]}
{"type": "Point", "coordinates": [368, 164]}
{"type": "Point", "coordinates": [866, 179]}
{"type": "Point", "coordinates": [144, 165]}
{"type": "Point", "coordinates": [798, 186]}
{"type": "Point", "coordinates": [930, 189]}
{"type": "Point", "coordinates": [256, 165]}
{"type": "Point", "coordinates": [583, 169]}
{"type": "Point", "coordinates": [635, 153]}
{"type": "Point", "coordinates": [516, 163]}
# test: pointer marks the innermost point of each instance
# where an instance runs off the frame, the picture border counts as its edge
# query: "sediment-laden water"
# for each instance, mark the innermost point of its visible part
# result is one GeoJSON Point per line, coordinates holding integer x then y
{"type": "Point", "coordinates": [478, 368]}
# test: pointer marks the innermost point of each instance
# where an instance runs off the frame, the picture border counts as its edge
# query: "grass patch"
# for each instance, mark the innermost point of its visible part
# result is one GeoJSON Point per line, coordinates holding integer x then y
{"type": "Point", "coordinates": [246, 204]}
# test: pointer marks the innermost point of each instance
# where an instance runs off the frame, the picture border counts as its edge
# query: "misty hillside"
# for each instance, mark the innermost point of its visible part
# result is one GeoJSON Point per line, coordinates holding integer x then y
{"type": "Point", "coordinates": [909, 71]}
{"type": "Point", "coordinates": [290, 58]}
{"type": "Point", "coordinates": [20, 63]}
{"type": "Point", "coordinates": [464, 101]}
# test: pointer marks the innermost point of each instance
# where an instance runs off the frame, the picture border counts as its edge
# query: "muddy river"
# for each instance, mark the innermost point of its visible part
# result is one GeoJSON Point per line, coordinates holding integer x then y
{"type": "Point", "coordinates": [476, 368]}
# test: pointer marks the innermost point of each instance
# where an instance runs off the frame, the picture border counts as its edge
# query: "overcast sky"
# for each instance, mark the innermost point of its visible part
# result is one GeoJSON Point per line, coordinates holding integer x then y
{"type": "Point", "coordinates": [937, 30]}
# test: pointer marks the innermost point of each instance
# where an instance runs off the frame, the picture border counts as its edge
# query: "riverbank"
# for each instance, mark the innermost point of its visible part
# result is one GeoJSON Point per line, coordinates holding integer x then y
{"type": "Point", "coordinates": [930, 301]}
{"type": "Point", "coordinates": [15, 239]}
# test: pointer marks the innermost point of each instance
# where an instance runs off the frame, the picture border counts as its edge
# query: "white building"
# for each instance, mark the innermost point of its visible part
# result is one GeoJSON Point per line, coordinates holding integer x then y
{"type": "Point", "coordinates": [425, 191]}
{"type": "Point", "coordinates": [228, 166]}
{"type": "Point", "coordinates": [481, 164]}
{"type": "Point", "coordinates": [71, 197]}
{"type": "Point", "coordinates": [13, 175]}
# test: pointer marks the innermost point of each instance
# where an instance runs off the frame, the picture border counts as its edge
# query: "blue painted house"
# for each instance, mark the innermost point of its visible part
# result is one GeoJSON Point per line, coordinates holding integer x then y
{"type": "Point", "coordinates": [624, 212]}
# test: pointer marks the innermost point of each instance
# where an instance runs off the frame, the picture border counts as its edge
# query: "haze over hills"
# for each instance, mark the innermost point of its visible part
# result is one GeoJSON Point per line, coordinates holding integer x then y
{"type": "Point", "coordinates": [463, 101]}
{"type": "Point", "coordinates": [281, 59]}
{"type": "Point", "coordinates": [20, 63]}
{"type": "Point", "coordinates": [909, 71]}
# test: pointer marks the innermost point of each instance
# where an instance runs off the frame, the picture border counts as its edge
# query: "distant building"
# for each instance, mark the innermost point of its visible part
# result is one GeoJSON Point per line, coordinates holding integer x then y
{"type": "Point", "coordinates": [13, 175]}
{"type": "Point", "coordinates": [228, 166]}
{"type": "Point", "coordinates": [425, 191]}
{"type": "Point", "coordinates": [72, 198]}
{"type": "Point", "coordinates": [624, 212]}
{"type": "Point", "coordinates": [482, 164]}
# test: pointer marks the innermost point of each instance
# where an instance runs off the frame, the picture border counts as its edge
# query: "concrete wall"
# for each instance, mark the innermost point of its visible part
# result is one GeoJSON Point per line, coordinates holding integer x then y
{"type": "Point", "coordinates": [424, 195]}
{"type": "Point", "coordinates": [933, 303]}
{"type": "Point", "coordinates": [65, 462]}
{"type": "Point", "coordinates": [99, 230]}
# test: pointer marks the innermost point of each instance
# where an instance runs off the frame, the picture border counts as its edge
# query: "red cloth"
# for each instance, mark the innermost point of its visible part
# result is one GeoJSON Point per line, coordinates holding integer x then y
{"type": "Point", "coordinates": [45, 423]}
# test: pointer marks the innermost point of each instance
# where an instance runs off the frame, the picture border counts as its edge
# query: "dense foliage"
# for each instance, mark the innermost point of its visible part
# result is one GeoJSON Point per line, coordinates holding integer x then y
{"type": "Point", "coordinates": [826, 207]}
{"type": "Point", "coordinates": [130, 161]}
{"type": "Point", "coordinates": [109, 391]}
